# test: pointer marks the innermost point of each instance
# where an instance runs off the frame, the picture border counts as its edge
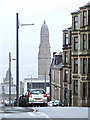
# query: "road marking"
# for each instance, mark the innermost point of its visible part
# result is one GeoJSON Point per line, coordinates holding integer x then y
{"type": "Point", "coordinates": [43, 114]}
{"type": "Point", "coordinates": [34, 110]}
{"type": "Point", "coordinates": [31, 114]}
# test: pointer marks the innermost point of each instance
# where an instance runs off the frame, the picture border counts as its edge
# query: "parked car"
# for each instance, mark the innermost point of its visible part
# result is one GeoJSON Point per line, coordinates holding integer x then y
{"type": "Point", "coordinates": [6, 103]}
{"type": "Point", "coordinates": [58, 103]}
{"type": "Point", "coordinates": [22, 101]}
{"type": "Point", "coordinates": [50, 104]}
{"type": "Point", "coordinates": [37, 97]}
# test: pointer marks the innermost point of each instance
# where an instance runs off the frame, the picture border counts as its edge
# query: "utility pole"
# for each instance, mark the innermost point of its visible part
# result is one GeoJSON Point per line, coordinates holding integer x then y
{"type": "Point", "coordinates": [17, 59]}
{"type": "Point", "coordinates": [9, 78]}
{"type": "Point", "coordinates": [17, 56]}
{"type": "Point", "coordinates": [45, 80]}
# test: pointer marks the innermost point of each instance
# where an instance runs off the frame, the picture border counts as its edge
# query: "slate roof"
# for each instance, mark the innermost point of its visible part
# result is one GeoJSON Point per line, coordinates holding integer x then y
{"type": "Point", "coordinates": [78, 11]}
{"type": "Point", "coordinates": [86, 5]}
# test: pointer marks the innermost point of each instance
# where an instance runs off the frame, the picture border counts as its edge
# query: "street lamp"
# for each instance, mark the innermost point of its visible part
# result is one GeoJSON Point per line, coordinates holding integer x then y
{"type": "Point", "coordinates": [17, 56]}
{"type": "Point", "coordinates": [9, 78]}
{"type": "Point", "coordinates": [45, 80]}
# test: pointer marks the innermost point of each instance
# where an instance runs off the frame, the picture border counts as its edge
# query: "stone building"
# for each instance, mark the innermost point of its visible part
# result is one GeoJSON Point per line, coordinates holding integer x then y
{"type": "Point", "coordinates": [76, 59]}
{"type": "Point", "coordinates": [56, 77]}
{"type": "Point", "coordinates": [5, 87]}
{"type": "Point", "coordinates": [67, 67]}
{"type": "Point", "coordinates": [34, 83]}
{"type": "Point", "coordinates": [6, 79]}
{"type": "Point", "coordinates": [81, 56]}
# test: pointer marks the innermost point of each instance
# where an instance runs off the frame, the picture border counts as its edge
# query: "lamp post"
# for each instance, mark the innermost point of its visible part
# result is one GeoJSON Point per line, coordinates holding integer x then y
{"type": "Point", "coordinates": [17, 60]}
{"type": "Point", "coordinates": [17, 56]}
{"type": "Point", "coordinates": [45, 80]}
{"type": "Point", "coordinates": [9, 78]}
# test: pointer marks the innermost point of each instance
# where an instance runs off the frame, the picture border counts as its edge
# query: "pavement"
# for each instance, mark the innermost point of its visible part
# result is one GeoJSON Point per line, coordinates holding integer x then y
{"type": "Point", "coordinates": [8, 109]}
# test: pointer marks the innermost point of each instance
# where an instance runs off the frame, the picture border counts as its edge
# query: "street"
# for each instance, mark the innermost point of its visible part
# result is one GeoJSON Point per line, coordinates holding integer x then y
{"type": "Point", "coordinates": [47, 112]}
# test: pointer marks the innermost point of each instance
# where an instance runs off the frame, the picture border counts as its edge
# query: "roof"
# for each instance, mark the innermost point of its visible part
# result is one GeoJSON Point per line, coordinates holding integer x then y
{"type": "Point", "coordinates": [69, 28]}
{"type": "Point", "coordinates": [35, 80]}
{"type": "Point", "coordinates": [86, 5]}
{"type": "Point", "coordinates": [76, 12]}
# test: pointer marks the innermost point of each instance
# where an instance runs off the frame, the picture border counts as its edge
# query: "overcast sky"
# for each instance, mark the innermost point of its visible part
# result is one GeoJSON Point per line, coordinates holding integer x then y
{"type": "Point", "coordinates": [56, 13]}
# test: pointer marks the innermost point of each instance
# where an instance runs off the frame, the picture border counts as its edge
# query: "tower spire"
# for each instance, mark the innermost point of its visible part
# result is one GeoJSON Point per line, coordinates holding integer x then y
{"type": "Point", "coordinates": [44, 22]}
{"type": "Point", "coordinates": [44, 56]}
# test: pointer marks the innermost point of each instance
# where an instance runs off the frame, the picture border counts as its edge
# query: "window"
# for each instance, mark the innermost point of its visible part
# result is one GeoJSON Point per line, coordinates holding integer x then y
{"type": "Point", "coordinates": [56, 62]}
{"type": "Point", "coordinates": [70, 76]}
{"type": "Point", "coordinates": [29, 85]}
{"type": "Point", "coordinates": [66, 57]}
{"type": "Point", "coordinates": [89, 89]}
{"type": "Point", "coordinates": [84, 18]}
{"type": "Point", "coordinates": [84, 66]}
{"type": "Point", "coordinates": [89, 65]}
{"type": "Point", "coordinates": [54, 77]}
{"type": "Point", "coordinates": [37, 92]}
{"type": "Point", "coordinates": [76, 86]}
{"type": "Point", "coordinates": [70, 97]}
{"type": "Point", "coordinates": [89, 17]}
{"type": "Point", "coordinates": [84, 41]}
{"type": "Point", "coordinates": [66, 93]}
{"type": "Point", "coordinates": [76, 43]}
{"type": "Point", "coordinates": [70, 58]}
{"type": "Point", "coordinates": [76, 65]}
{"type": "Point", "coordinates": [66, 38]}
{"type": "Point", "coordinates": [76, 22]}
{"type": "Point", "coordinates": [35, 85]}
{"type": "Point", "coordinates": [88, 41]}
{"type": "Point", "coordinates": [84, 90]}
{"type": "Point", "coordinates": [66, 75]}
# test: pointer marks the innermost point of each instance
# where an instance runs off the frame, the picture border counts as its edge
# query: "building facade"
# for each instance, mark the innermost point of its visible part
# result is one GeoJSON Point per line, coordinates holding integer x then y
{"type": "Point", "coordinates": [6, 79]}
{"type": "Point", "coordinates": [56, 77]}
{"type": "Point", "coordinates": [81, 56]}
{"type": "Point", "coordinates": [34, 83]}
{"type": "Point", "coordinates": [44, 55]}
{"type": "Point", "coordinates": [67, 67]}
{"type": "Point", "coordinates": [76, 59]}
{"type": "Point", "coordinates": [5, 87]}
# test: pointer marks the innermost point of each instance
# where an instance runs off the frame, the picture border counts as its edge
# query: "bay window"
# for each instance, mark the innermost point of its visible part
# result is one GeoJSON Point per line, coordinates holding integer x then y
{"type": "Point", "coordinates": [84, 41]}
{"type": "Point", "coordinates": [76, 43]}
{"type": "Point", "coordinates": [76, 22]}
{"type": "Point", "coordinates": [75, 86]}
{"type": "Point", "coordinates": [84, 18]}
{"type": "Point", "coordinates": [76, 65]}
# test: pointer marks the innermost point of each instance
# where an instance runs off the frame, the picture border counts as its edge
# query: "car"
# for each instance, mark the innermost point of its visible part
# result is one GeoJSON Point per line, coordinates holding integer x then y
{"type": "Point", "coordinates": [37, 97]}
{"type": "Point", "coordinates": [15, 102]}
{"type": "Point", "coordinates": [58, 103]}
{"type": "Point", "coordinates": [6, 103]}
{"type": "Point", "coordinates": [50, 104]}
{"type": "Point", "coordinates": [22, 101]}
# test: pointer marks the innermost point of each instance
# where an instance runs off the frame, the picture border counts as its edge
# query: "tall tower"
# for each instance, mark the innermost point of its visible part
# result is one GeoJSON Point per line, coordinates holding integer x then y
{"type": "Point", "coordinates": [6, 79]}
{"type": "Point", "coordinates": [44, 55]}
